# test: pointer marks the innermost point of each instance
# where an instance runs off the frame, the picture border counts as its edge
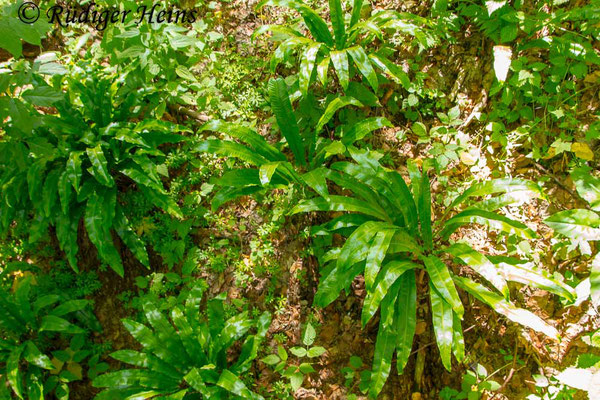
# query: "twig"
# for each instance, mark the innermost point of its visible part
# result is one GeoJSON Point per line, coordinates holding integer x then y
{"type": "Point", "coordinates": [190, 113]}
{"type": "Point", "coordinates": [559, 183]}
{"type": "Point", "coordinates": [510, 373]}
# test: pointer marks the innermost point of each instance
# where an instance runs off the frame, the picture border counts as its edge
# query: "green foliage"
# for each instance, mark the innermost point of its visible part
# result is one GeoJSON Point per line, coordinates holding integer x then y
{"type": "Point", "coordinates": [13, 31]}
{"type": "Point", "coordinates": [390, 235]}
{"type": "Point", "coordinates": [582, 226]}
{"type": "Point", "coordinates": [74, 165]}
{"type": "Point", "coordinates": [584, 375]}
{"type": "Point", "coordinates": [349, 49]}
{"type": "Point", "coordinates": [549, 64]}
{"type": "Point", "coordinates": [34, 327]}
{"type": "Point", "coordinates": [355, 372]}
{"type": "Point", "coordinates": [475, 382]}
{"type": "Point", "coordinates": [188, 355]}
{"type": "Point", "coordinates": [295, 373]}
{"type": "Point", "coordinates": [271, 166]}
{"type": "Point", "coordinates": [163, 57]}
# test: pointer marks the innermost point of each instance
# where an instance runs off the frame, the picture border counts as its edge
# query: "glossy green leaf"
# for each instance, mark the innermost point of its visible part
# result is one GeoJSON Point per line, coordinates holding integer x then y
{"type": "Point", "coordinates": [98, 230]}
{"type": "Point", "coordinates": [140, 379]}
{"type": "Point", "coordinates": [337, 22]}
{"type": "Point", "coordinates": [323, 69]}
{"type": "Point", "coordinates": [307, 66]}
{"type": "Point", "coordinates": [362, 62]}
{"type": "Point", "coordinates": [393, 71]}
{"type": "Point", "coordinates": [230, 149]}
{"type": "Point", "coordinates": [64, 192]}
{"type": "Point", "coordinates": [441, 313]}
{"type": "Point", "coordinates": [578, 224]}
{"type": "Point", "coordinates": [234, 384]}
{"type": "Point", "coordinates": [318, 28]}
{"type": "Point", "coordinates": [500, 305]}
{"type": "Point", "coordinates": [246, 135]}
{"type": "Point", "coordinates": [194, 379]}
{"type": "Point", "coordinates": [523, 272]}
{"type": "Point", "coordinates": [316, 351]}
{"type": "Point", "coordinates": [286, 120]}
{"type": "Point", "coordinates": [405, 318]}
{"type": "Point", "coordinates": [503, 185]}
{"type": "Point", "coordinates": [341, 65]}
{"type": "Point", "coordinates": [50, 192]}
{"type": "Point", "coordinates": [376, 254]}
{"type": "Point", "coordinates": [363, 128]}
{"type": "Point", "coordinates": [69, 306]}
{"type": "Point", "coordinates": [389, 275]}
{"type": "Point", "coordinates": [53, 323]}
{"type": "Point", "coordinates": [73, 169]}
{"type": "Point", "coordinates": [333, 107]}
{"type": "Point", "coordinates": [34, 384]}
{"type": "Point", "coordinates": [356, 9]}
{"type": "Point", "coordinates": [458, 341]}
{"type": "Point", "coordinates": [424, 207]}
{"type": "Point", "coordinates": [588, 186]}
{"type": "Point", "coordinates": [309, 335]}
{"type": "Point", "coordinates": [385, 343]}
{"type": "Point", "coordinates": [43, 96]}
{"type": "Point", "coordinates": [338, 203]}
{"type": "Point", "coordinates": [442, 281]}
{"type": "Point", "coordinates": [132, 241]}
{"type": "Point", "coordinates": [480, 264]}
{"type": "Point", "coordinates": [266, 172]}
{"type": "Point", "coordinates": [490, 219]}
{"type": "Point", "coordinates": [66, 233]}
{"type": "Point", "coordinates": [33, 355]}
{"type": "Point", "coordinates": [13, 373]}
{"type": "Point", "coordinates": [99, 166]}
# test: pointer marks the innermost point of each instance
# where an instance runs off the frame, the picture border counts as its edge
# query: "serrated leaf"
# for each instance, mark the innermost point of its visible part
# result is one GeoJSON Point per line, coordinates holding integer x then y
{"type": "Point", "coordinates": [316, 351]}
{"type": "Point", "coordinates": [298, 351]}
{"type": "Point", "coordinates": [296, 380]}
{"type": "Point", "coordinates": [271, 359]}
{"type": "Point", "coordinates": [43, 96]}
{"type": "Point", "coordinates": [309, 335]}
